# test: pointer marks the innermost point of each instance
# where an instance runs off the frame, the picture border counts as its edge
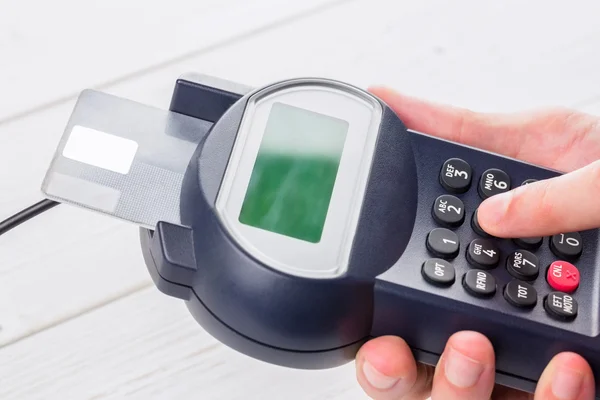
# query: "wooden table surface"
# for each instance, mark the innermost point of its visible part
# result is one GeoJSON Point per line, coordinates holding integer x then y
{"type": "Point", "coordinates": [79, 316]}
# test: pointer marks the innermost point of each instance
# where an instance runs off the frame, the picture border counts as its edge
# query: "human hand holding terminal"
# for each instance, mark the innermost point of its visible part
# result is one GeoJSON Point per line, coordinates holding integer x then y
{"type": "Point", "coordinates": [559, 139]}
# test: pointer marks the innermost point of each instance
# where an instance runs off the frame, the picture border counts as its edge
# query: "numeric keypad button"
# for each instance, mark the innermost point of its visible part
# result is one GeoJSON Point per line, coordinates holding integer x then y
{"type": "Point", "coordinates": [561, 306]}
{"type": "Point", "coordinates": [449, 210]}
{"type": "Point", "coordinates": [443, 243]}
{"type": "Point", "coordinates": [483, 253]}
{"type": "Point", "coordinates": [479, 283]}
{"type": "Point", "coordinates": [493, 181]}
{"type": "Point", "coordinates": [456, 175]}
{"type": "Point", "coordinates": [523, 265]}
{"type": "Point", "coordinates": [520, 294]}
{"type": "Point", "coordinates": [567, 245]}
{"type": "Point", "coordinates": [563, 276]}
{"type": "Point", "coordinates": [438, 272]}
{"type": "Point", "coordinates": [531, 243]}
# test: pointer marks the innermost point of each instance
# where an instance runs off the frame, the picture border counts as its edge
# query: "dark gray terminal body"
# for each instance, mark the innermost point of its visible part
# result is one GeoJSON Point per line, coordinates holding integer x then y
{"type": "Point", "coordinates": [289, 318]}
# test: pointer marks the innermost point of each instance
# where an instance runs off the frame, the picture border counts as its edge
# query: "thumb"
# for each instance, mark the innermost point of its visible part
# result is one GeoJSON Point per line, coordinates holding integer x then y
{"type": "Point", "coordinates": [567, 203]}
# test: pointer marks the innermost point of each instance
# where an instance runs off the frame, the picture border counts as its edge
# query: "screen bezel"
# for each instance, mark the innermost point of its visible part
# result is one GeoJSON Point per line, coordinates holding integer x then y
{"type": "Point", "coordinates": [330, 256]}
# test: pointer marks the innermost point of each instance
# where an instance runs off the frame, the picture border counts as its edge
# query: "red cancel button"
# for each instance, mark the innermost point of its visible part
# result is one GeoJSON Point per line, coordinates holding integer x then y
{"type": "Point", "coordinates": [563, 276]}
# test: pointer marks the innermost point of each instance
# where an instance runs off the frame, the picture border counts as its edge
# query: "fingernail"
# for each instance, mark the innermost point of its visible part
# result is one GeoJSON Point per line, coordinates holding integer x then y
{"type": "Point", "coordinates": [460, 370]}
{"type": "Point", "coordinates": [377, 379]}
{"type": "Point", "coordinates": [566, 384]}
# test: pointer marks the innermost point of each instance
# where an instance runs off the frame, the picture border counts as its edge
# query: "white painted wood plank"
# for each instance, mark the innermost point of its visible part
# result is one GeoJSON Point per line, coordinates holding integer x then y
{"type": "Point", "coordinates": [147, 347]}
{"type": "Point", "coordinates": [481, 55]}
{"type": "Point", "coordinates": [50, 50]}
{"type": "Point", "coordinates": [80, 274]}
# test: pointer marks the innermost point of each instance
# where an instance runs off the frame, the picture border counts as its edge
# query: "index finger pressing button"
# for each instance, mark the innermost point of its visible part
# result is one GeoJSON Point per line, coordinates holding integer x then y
{"type": "Point", "coordinates": [477, 228]}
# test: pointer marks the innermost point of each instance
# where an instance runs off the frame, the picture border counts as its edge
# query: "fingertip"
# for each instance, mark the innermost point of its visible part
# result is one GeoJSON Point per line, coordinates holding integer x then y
{"type": "Point", "coordinates": [492, 214]}
{"type": "Point", "coordinates": [390, 355]}
{"type": "Point", "coordinates": [524, 211]}
{"type": "Point", "coordinates": [574, 361]}
{"type": "Point", "coordinates": [466, 368]}
{"type": "Point", "coordinates": [568, 376]}
{"type": "Point", "coordinates": [386, 368]}
{"type": "Point", "coordinates": [473, 345]}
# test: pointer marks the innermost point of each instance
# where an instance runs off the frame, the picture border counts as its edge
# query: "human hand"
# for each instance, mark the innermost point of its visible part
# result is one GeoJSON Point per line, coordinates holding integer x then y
{"type": "Point", "coordinates": [559, 139]}
{"type": "Point", "coordinates": [386, 370]}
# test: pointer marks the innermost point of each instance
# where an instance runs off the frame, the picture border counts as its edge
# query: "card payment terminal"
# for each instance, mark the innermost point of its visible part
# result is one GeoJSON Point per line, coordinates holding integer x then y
{"type": "Point", "coordinates": [300, 219]}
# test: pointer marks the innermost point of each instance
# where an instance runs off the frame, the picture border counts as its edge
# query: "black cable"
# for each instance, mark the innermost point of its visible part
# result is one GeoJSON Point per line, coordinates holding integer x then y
{"type": "Point", "coordinates": [26, 215]}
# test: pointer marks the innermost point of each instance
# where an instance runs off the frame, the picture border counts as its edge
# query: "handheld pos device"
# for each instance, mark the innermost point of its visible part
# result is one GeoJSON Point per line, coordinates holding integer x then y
{"type": "Point", "coordinates": [300, 219]}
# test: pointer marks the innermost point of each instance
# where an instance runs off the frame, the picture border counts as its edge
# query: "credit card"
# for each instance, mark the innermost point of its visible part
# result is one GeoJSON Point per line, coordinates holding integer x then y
{"type": "Point", "coordinates": [123, 159]}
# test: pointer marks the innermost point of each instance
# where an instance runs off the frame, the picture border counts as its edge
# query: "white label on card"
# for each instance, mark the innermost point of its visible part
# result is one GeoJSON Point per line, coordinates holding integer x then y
{"type": "Point", "coordinates": [100, 149]}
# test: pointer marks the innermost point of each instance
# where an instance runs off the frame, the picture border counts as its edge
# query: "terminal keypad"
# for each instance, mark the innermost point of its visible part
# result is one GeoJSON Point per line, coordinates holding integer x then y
{"type": "Point", "coordinates": [484, 256]}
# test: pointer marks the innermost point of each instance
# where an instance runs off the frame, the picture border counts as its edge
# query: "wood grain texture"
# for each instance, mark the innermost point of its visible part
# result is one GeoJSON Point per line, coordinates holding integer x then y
{"type": "Point", "coordinates": [145, 346]}
{"type": "Point", "coordinates": [56, 48]}
{"type": "Point", "coordinates": [77, 315]}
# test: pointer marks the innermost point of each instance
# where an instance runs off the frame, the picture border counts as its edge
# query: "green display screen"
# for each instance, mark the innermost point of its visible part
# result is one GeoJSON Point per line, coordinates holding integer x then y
{"type": "Point", "coordinates": [294, 173]}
